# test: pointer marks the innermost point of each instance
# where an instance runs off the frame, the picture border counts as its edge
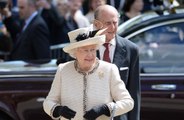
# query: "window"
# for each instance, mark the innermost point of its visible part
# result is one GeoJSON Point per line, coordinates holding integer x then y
{"type": "Point", "coordinates": [162, 49]}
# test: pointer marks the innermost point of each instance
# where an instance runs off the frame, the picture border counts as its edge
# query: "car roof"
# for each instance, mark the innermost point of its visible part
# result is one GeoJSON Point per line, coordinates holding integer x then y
{"type": "Point", "coordinates": [15, 67]}
{"type": "Point", "coordinates": [135, 21]}
{"type": "Point", "coordinates": [144, 20]}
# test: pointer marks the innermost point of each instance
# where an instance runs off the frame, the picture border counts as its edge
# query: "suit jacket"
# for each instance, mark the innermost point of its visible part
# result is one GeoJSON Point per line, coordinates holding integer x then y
{"type": "Point", "coordinates": [32, 44]}
{"type": "Point", "coordinates": [57, 25]}
{"type": "Point", "coordinates": [126, 58]}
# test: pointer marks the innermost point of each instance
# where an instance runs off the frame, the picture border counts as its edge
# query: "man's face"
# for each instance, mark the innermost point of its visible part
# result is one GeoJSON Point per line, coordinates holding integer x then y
{"type": "Point", "coordinates": [41, 3]}
{"type": "Point", "coordinates": [23, 8]}
{"type": "Point", "coordinates": [62, 7]}
{"type": "Point", "coordinates": [108, 20]}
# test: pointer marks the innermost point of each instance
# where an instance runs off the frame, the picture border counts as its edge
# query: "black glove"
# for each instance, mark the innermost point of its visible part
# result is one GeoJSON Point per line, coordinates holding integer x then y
{"type": "Point", "coordinates": [97, 111]}
{"type": "Point", "coordinates": [64, 111]}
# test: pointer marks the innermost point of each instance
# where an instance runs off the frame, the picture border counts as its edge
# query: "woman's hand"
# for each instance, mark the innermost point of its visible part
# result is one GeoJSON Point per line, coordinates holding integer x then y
{"type": "Point", "coordinates": [97, 111]}
{"type": "Point", "coordinates": [64, 111]}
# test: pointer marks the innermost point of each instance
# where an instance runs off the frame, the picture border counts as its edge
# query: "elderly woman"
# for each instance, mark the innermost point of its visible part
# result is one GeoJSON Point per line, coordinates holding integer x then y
{"type": "Point", "coordinates": [87, 88]}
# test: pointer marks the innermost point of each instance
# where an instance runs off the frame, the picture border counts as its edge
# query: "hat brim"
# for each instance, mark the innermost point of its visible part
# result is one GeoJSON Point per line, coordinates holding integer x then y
{"type": "Point", "coordinates": [97, 40]}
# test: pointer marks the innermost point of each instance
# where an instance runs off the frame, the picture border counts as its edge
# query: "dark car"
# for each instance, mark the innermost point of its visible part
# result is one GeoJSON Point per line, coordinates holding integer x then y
{"type": "Point", "coordinates": [24, 86]}
{"type": "Point", "coordinates": [161, 44]}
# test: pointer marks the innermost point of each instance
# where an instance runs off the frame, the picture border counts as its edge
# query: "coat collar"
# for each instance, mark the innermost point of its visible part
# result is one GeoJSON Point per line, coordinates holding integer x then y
{"type": "Point", "coordinates": [89, 72]}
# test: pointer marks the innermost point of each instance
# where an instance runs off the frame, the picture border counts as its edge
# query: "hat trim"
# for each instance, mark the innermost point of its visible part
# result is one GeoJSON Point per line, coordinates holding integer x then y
{"type": "Point", "coordinates": [99, 40]}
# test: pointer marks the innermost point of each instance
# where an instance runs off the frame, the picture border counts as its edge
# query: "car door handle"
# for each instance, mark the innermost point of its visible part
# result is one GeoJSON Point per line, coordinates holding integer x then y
{"type": "Point", "coordinates": [164, 87]}
{"type": "Point", "coordinates": [40, 99]}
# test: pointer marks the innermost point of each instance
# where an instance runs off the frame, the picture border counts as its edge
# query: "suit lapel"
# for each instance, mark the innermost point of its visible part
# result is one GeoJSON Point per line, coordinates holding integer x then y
{"type": "Point", "coordinates": [120, 53]}
{"type": "Point", "coordinates": [29, 27]}
{"type": "Point", "coordinates": [19, 38]}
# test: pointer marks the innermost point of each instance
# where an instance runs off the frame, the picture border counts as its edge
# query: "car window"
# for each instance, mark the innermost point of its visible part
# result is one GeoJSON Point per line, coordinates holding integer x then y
{"type": "Point", "coordinates": [135, 21]}
{"type": "Point", "coordinates": [161, 49]}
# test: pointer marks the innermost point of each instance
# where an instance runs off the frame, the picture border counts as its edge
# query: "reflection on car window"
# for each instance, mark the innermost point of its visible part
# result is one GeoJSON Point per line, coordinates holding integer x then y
{"type": "Point", "coordinates": [161, 49]}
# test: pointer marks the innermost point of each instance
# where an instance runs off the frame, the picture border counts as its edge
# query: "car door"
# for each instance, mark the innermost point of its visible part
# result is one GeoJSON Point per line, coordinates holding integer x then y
{"type": "Point", "coordinates": [161, 47]}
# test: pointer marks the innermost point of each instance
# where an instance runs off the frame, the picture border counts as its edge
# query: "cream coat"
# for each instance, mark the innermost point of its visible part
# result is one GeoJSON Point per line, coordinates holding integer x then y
{"type": "Point", "coordinates": [103, 86]}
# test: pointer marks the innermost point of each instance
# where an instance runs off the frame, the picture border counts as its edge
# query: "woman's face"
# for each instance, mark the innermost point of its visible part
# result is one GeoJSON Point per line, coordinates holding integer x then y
{"type": "Point", "coordinates": [75, 5]}
{"type": "Point", "coordinates": [86, 57]}
{"type": "Point", "coordinates": [138, 5]}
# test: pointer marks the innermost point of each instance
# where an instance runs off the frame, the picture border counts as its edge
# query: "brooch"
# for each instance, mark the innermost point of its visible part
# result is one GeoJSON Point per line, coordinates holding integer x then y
{"type": "Point", "coordinates": [101, 74]}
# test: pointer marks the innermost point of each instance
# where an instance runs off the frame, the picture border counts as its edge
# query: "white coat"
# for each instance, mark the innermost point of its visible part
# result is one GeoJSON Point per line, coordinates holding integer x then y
{"type": "Point", "coordinates": [103, 85]}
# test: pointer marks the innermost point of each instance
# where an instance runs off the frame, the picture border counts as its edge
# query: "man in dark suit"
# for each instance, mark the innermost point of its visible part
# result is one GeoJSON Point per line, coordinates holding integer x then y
{"type": "Point", "coordinates": [56, 22]}
{"type": "Point", "coordinates": [31, 43]}
{"type": "Point", "coordinates": [123, 53]}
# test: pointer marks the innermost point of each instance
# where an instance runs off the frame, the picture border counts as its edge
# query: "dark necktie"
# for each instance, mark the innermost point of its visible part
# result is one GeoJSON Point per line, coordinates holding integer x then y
{"type": "Point", "coordinates": [106, 53]}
